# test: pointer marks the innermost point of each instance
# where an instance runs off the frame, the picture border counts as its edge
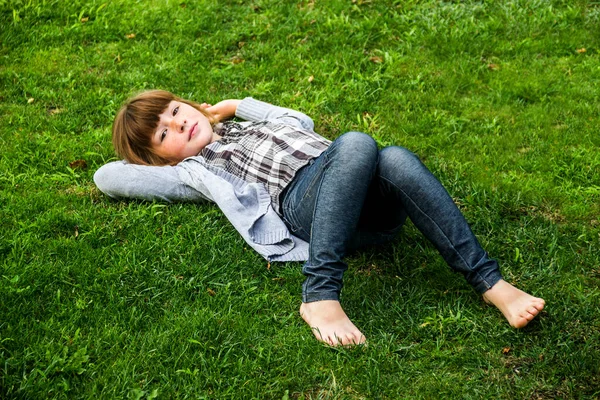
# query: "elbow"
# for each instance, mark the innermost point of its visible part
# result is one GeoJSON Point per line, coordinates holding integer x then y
{"type": "Point", "coordinates": [300, 119]}
{"type": "Point", "coordinates": [106, 179]}
{"type": "Point", "coordinates": [308, 123]}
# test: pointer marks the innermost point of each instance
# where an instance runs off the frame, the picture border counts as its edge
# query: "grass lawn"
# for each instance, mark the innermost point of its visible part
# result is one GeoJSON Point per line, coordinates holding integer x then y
{"type": "Point", "coordinates": [108, 299]}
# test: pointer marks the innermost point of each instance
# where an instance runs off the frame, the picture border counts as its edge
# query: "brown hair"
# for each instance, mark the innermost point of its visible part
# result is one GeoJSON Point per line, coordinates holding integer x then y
{"type": "Point", "coordinates": [137, 120]}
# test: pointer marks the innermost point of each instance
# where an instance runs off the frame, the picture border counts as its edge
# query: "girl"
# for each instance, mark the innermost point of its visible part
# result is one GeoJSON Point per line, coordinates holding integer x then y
{"type": "Point", "coordinates": [294, 195]}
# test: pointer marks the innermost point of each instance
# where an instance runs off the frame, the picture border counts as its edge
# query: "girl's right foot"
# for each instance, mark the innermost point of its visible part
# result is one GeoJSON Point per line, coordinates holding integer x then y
{"type": "Point", "coordinates": [330, 324]}
{"type": "Point", "coordinates": [518, 307]}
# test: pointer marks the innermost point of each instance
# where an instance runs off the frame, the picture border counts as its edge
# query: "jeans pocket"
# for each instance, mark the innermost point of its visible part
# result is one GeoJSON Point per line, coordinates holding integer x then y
{"type": "Point", "coordinates": [299, 202]}
{"type": "Point", "coordinates": [289, 218]}
{"type": "Point", "coordinates": [315, 177]}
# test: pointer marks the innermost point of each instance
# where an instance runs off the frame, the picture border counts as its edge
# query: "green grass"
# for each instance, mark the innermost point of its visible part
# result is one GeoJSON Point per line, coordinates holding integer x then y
{"type": "Point", "coordinates": [137, 300]}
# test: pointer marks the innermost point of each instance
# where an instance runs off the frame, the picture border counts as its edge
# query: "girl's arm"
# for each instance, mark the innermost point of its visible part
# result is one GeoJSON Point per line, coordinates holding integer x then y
{"type": "Point", "coordinates": [223, 110]}
{"type": "Point", "coordinates": [250, 109]}
{"type": "Point", "coordinates": [122, 180]}
{"type": "Point", "coordinates": [255, 110]}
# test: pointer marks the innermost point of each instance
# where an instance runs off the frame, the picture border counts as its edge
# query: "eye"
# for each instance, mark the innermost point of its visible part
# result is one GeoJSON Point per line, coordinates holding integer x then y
{"type": "Point", "coordinates": [175, 111]}
{"type": "Point", "coordinates": [162, 135]}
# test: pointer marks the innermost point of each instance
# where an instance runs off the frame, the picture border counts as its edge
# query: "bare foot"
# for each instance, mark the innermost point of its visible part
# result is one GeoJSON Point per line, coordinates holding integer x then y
{"type": "Point", "coordinates": [330, 324]}
{"type": "Point", "coordinates": [518, 307]}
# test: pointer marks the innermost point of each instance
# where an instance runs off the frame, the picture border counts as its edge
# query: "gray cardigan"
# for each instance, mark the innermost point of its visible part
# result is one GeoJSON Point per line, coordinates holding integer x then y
{"type": "Point", "coordinates": [246, 205]}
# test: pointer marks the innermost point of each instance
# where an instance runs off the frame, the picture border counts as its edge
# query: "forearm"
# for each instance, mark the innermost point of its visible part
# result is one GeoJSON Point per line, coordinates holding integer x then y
{"type": "Point", "coordinates": [123, 180]}
{"type": "Point", "coordinates": [224, 109]}
{"type": "Point", "coordinates": [255, 110]}
{"type": "Point", "coordinates": [251, 109]}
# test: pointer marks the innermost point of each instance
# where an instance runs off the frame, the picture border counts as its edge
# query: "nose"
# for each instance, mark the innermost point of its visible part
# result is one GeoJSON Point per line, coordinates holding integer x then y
{"type": "Point", "coordinates": [178, 124]}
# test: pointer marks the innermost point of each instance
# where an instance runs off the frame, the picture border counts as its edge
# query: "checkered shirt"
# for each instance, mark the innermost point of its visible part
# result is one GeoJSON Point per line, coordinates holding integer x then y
{"type": "Point", "coordinates": [266, 152]}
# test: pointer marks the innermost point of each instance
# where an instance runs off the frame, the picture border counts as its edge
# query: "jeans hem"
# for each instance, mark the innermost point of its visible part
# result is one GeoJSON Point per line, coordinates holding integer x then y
{"type": "Point", "coordinates": [485, 285]}
{"type": "Point", "coordinates": [320, 296]}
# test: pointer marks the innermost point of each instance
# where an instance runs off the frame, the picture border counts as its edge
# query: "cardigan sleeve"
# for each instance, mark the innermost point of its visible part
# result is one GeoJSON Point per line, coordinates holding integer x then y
{"type": "Point", "coordinates": [255, 110]}
{"type": "Point", "coordinates": [120, 179]}
{"type": "Point", "coordinates": [247, 206]}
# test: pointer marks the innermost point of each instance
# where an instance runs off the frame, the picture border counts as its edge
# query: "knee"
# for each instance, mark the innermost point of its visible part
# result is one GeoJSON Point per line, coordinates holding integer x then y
{"type": "Point", "coordinates": [398, 154]}
{"type": "Point", "coordinates": [357, 147]}
{"type": "Point", "coordinates": [400, 159]}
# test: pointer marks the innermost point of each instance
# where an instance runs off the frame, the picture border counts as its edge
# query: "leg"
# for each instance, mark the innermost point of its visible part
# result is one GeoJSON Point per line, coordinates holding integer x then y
{"type": "Point", "coordinates": [323, 205]}
{"type": "Point", "coordinates": [402, 177]}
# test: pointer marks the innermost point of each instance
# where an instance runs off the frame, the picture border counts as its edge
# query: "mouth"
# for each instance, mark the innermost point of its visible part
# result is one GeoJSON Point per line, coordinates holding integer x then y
{"type": "Point", "coordinates": [193, 130]}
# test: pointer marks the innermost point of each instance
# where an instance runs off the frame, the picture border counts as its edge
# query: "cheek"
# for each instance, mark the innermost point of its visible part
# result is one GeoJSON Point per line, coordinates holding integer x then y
{"type": "Point", "coordinates": [173, 147]}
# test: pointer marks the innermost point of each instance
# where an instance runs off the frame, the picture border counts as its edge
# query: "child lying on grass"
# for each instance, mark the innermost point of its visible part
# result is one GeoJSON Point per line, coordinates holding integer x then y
{"type": "Point", "coordinates": [294, 195]}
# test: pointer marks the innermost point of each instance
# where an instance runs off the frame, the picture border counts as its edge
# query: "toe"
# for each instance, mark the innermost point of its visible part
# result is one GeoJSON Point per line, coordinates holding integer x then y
{"type": "Point", "coordinates": [318, 335]}
{"type": "Point", "coordinates": [532, 310]}
{"type": "Point", "coordinates": [332, 340]}
{"type": "Point", "coordinates": [520, 322]}
{"type": "Point", "coordinates": [355, 337]}
{"type": "Point", "coordinates": [358, 338]}
{"type": "Point", "coordinates": [348, 340]}
{"type": "Point", "coordinates": [528, 316]}
{"type": "Point", "coordinates": [540, 304]}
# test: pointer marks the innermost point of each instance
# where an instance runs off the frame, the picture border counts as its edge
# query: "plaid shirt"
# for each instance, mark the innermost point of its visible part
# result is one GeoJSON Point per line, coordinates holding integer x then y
{"type": "Point", "coordinates": [265, 152]}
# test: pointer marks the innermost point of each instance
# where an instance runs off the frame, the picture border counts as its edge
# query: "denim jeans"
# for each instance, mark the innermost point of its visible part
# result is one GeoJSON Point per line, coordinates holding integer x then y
{"type": "Point", "coordinates": [354, 194]}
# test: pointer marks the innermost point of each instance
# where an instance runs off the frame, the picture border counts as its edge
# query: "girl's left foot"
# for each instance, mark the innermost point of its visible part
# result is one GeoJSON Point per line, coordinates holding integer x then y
{"type": "Point", "coordinates": [518, 307]}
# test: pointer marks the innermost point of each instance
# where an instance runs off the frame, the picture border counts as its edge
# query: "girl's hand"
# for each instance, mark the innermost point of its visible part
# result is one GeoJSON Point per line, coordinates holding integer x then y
{"type": "Point", "coordinates": [222, 110]}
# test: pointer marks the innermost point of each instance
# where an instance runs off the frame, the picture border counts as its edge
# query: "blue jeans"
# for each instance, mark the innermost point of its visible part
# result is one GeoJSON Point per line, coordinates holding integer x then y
{"type": "Point", "coordinates": [354, 195]}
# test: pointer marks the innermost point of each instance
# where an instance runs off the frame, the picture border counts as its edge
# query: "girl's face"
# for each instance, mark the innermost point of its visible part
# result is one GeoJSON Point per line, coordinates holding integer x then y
{"type": "Point", "coordinates": [182, 132]}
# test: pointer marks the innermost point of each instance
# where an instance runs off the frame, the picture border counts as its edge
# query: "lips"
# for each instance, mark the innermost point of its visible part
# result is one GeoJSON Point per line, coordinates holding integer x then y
{"type": "Point", "coordinates": [193, 130]}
